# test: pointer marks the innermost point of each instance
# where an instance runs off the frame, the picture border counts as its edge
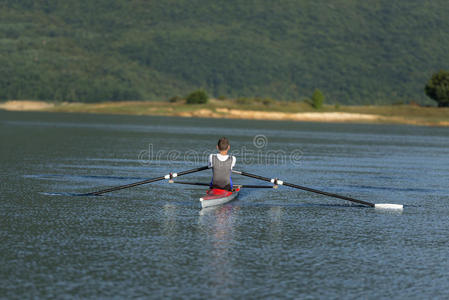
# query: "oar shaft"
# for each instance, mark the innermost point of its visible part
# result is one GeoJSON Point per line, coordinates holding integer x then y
{"type": "Point", "coordinates": [304, 188]}
{"type": "Point", "coordinates": [248, 186]}
{"type": "Point", "coordinates": [328, 194]}
{"type": "Point", "coordinates": [121, 187]}
{"type": "Point", "coordinates": [192, 183]}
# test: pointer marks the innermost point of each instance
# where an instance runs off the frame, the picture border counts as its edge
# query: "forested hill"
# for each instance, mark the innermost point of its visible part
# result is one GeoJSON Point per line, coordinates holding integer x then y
{"type": "Point", "coordinates": [356, 52]}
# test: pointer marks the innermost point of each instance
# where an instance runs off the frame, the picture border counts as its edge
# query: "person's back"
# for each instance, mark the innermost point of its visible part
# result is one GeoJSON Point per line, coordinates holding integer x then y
{"type": "Point", "coordinates": [222, 164]}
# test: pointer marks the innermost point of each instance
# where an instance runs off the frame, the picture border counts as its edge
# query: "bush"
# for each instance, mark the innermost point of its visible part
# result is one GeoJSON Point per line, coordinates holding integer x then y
{"type": "Point", "coordinates": [197, 97]}
{"type": "Point", "coordinates": [268, 101]}
{"type": "Point", "coordinates": [174, 99]}
{"type": "Point", "coordinates": [438, 88]}
{"type": "Point", "coordinates": [317, 99]}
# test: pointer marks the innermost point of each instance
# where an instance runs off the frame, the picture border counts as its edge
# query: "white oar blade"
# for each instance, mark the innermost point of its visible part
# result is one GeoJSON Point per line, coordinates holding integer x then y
{"type": "Point", "coordinates": [388, 206]}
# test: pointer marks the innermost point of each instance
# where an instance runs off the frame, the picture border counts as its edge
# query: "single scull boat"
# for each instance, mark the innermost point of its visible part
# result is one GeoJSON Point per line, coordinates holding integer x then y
{"type": "Point", "coordinates": [218, 197]}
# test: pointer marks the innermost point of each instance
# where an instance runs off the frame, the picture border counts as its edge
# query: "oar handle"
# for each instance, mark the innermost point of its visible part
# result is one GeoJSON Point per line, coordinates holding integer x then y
{"type": "Point", "coordinates": [168, 176]}
{"type": "Point", "coordinates": [280, 182]}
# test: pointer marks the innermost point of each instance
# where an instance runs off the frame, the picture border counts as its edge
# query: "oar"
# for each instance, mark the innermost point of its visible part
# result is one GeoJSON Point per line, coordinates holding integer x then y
{"type": "Point", "coordinates": [280, 182]}
{"type": "Point", "coordinates": [168, 176]}
{"type": "Point", "coordinates": [247, 186]}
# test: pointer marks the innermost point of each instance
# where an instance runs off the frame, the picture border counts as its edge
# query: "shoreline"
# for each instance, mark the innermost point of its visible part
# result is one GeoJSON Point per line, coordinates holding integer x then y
{"type": "Point", "coordinates": [405, 114]}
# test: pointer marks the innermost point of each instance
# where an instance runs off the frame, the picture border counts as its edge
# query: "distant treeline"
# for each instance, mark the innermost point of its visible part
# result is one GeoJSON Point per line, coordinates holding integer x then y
{"type": "Point", "coordinates": [356, 52]}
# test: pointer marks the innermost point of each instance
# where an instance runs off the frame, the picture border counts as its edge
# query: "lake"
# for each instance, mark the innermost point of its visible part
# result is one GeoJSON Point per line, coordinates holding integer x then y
{"type": "Point", "coordinates": [154, 241]}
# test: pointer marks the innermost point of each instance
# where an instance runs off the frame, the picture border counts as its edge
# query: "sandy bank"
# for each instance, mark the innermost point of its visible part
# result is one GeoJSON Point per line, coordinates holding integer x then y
{"type": "Point", "coordinates": [25, 105]}
{"type": "Point", "coordinates": [331, 117]}
{"type": "Point", "coordinates": [264, 115]}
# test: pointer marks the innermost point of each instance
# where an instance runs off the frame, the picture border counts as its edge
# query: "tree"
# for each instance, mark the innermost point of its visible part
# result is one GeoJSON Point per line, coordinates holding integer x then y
{"type": "Point", "coordinates": [197, 97]}
{"type": "Point", "coordinates": [438, 88]}
{"type": "Point", "coordinates": [317, 99]}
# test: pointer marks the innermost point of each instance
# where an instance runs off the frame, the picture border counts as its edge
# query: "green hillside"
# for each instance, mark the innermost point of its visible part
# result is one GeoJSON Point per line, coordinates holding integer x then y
{"type": "Point", "coordinates": [356, 52]}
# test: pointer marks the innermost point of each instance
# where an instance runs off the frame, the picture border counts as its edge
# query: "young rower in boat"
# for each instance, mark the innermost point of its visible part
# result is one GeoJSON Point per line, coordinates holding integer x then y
{"type": "Point", "coordinates": [222, 164]}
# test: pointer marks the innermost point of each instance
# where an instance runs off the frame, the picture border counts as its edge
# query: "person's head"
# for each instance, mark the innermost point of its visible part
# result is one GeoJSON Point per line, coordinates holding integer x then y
{"type": "Point", "coordinates": [223, 145]}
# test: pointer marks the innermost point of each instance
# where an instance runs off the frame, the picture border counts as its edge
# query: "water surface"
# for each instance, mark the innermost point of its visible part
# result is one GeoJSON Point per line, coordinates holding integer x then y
{"type": "Point", "coordinates": [155, 241]}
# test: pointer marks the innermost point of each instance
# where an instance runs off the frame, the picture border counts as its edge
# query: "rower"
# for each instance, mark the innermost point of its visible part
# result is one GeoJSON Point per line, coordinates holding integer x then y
{"type": "Point", "coordinates": [222, 164]}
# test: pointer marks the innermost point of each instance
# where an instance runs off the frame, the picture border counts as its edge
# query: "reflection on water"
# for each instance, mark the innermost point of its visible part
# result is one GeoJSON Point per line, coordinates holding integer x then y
{"type": "Point", "coordinates": [170, 220]}
{"type": "Point", "coordinates": [275, 224]}
{"type": "Point", "coordinates": [396, 212]}
{"type": "Point", "coordinates": [220, 223]}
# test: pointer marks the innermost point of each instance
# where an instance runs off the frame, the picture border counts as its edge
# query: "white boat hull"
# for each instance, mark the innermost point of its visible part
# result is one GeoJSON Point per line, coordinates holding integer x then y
{"type": "Point", "coordinates": [205, 202]}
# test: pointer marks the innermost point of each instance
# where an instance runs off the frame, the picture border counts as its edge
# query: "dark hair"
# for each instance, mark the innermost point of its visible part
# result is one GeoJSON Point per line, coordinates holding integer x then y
{"type": "Point", "coordinates": [223, 144]}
